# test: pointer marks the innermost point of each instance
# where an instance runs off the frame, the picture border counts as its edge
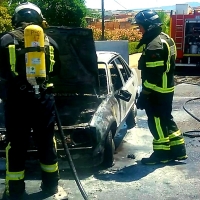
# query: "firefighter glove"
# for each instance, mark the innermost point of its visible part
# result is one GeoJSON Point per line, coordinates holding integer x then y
{"type": "Point", "coordinates": [142, 101]}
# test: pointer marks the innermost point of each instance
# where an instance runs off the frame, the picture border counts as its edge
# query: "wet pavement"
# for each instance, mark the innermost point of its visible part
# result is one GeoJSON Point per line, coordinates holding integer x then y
{"type": "Point", "coordinates": [128, 179]}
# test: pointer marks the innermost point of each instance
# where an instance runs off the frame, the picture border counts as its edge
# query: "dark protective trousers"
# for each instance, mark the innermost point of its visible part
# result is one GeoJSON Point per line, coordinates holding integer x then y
{"type": "Point", "coordinates": [168, 141]}
{"type": "Point", "coordinates": [23, 112]}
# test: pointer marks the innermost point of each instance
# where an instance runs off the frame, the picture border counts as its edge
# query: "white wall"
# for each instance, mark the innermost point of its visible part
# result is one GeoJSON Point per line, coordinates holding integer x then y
{"type": "Point", "coordinates": [120, 46]}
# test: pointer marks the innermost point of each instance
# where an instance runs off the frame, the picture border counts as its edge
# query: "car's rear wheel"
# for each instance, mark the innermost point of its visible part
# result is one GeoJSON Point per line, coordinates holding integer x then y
{"type": "Point", "coordinates": [109, 150]}
{"type": "Point", "coordinates": [131, 118]}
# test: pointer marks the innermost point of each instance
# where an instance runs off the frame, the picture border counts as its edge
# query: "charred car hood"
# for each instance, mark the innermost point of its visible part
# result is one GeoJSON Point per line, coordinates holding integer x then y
{"type": "Point", "coordinates": [79, 71]}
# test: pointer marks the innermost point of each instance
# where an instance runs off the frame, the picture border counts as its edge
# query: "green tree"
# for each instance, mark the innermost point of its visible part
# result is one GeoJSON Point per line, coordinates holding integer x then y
{"type": "Point", "coordinates": [10, 5]}
{"type": "Point", "coordinates": [5, 20]}
{"type": "Point", "coordinates": [165, 18]}
{"type": "Point", "coordinates": [93, 13]}
{"type": "Point", "coordinates": [63, 12]}
{"type": "Point", "coordinates": [58, 12]}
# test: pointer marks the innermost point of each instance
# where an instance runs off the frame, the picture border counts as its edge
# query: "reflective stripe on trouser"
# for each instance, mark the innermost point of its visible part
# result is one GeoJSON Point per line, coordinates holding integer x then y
{"type": "Point", "coordinates": [161, 144]}
{"type": "Point", "coordinates": [158, 128]}
{"type": "Point", "coordinates": [50, 168]}
{"type": "Point", "coordinates": [167, 137]}
{"type": "Point", "coordinates": [177, 145]}
{"type": "Point", "coordinates": [14, 182]}
{"type": "Point", "coordinates": [50, 172]}
{"type": "Point", "coordinates": [41, 117]}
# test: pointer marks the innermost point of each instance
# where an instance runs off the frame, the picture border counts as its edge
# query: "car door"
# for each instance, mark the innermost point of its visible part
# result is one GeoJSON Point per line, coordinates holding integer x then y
{"type": "Point", "coordinates": [117, 84]}
{"type": "Point", "coordinates": [129, 81]}
{"type": "Point", "coordinates": [106, 90]}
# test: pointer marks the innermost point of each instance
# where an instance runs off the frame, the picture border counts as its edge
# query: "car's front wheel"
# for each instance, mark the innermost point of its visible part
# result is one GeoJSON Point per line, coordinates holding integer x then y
{"type": "Point", "coordinates": [109, 151]}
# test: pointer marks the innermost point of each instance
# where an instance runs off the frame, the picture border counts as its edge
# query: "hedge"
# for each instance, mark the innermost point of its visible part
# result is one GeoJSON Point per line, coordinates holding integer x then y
{"type": "Point", "coordinates": [132, 48]}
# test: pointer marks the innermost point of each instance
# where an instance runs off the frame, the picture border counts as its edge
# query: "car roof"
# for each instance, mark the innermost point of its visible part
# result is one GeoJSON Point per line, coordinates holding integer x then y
{"type": "Point", "coordinates": [106, 56]}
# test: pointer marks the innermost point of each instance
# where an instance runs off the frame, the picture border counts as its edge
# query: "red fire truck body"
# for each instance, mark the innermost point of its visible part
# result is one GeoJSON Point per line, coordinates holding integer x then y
{"type": "Point", "coordinates": [185, 30]}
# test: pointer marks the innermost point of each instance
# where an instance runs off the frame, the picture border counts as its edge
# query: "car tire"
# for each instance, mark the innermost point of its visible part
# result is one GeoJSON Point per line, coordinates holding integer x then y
{"type": "Point", "coordinates": [109, 150]}
{"type": "Point", "coordinates": [131, 119]}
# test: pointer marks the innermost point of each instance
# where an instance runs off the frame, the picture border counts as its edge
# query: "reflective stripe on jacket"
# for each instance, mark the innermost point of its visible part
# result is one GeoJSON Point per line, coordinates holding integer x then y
{"type": "Point", "coordinates": [157, 64]}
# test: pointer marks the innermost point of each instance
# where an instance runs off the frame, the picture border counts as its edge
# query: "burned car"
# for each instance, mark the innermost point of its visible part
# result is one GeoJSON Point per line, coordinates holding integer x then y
{"type": "Point", "coordinates": [95, 95]}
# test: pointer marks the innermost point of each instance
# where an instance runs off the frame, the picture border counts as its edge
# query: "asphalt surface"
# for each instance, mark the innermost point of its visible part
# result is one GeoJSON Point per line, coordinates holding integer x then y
{"type": "Point", "coordinates": [128, 179]}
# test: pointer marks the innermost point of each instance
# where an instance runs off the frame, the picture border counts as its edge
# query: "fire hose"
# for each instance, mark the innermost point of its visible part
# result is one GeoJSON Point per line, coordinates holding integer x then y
{"type": "Point", "coordinates": [66, 149]}
{"type": "Point", "coordinates": [192, 133]}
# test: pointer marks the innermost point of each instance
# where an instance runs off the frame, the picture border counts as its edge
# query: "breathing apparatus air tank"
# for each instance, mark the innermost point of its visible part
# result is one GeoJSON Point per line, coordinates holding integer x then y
{"type": "Point", "coordinates": [35, 58]}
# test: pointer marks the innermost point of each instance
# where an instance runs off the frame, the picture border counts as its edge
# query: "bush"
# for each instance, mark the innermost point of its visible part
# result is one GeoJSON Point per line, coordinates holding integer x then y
{"type": "Point", "coordinates": [132, 48]}
{"type": "Point", "coordinates": [5, 20]}
{"type": "Point", "coordinates": [131, 34]}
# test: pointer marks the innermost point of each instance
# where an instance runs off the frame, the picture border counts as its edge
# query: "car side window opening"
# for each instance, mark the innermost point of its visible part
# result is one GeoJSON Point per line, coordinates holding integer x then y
{"type": "Point", "coordinates": [102, 78]}
{"type": "Point", "coordinates": [126, 73]}
{"type": "Point", "coordinates": [115, 76]}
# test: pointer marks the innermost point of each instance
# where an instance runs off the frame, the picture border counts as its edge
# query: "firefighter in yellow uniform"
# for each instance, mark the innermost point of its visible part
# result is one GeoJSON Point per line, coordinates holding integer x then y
{"type": "Point", "coordinates": [157, 64]}
{"type": "Point", "coordinates": [28, 105]}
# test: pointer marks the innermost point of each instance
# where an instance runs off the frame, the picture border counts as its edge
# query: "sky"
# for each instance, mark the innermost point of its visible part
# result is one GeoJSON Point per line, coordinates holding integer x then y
{"type": "Point", "coordinates": [133, 4]}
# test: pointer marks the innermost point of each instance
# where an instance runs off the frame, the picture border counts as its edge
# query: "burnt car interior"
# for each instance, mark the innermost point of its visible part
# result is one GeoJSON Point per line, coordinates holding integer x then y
{"type": "Point", "coordinates": [124, 70]}
{"type": "Point", "coordinates": [102, 79]}
{"type": "Point", "coordinates": [116, 80]}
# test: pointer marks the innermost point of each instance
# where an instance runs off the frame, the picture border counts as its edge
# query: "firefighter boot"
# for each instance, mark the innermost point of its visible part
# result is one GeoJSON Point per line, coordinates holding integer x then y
{"type": "Point", "coordinates": [16, 190]}
{"type": "Point", "coordinates": [50, 189]}
{"type": "Point", "coordinates": [50, 186]}
{"type": "Point", "coordinates": [50, 182]}
{"type": "Point", "coordinates": [57, 192]}
{"type": "Point", "coordinates": [13, 197]}
{"type": "Point", "coordinates": [157, 158]}
{"type": "Point", "coordinates": [178, 152]}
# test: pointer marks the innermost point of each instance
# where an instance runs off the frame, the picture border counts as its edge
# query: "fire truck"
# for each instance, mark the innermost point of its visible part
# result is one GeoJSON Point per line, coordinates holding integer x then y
{"type": "Point", "coordinates": [185, 30]}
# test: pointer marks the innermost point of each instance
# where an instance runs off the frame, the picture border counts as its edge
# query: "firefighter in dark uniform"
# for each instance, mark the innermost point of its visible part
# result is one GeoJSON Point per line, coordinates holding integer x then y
{"type": "Point", "coordinates": [25, 111]}
{"type": "Point", "coordinates": [157, 64]}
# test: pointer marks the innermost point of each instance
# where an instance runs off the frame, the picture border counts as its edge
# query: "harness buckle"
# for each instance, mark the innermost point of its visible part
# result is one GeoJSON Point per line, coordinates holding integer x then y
{"type": "Point", "coordinates": [22, 87]}
{"type": "Point", "coordinates": [43, 86]}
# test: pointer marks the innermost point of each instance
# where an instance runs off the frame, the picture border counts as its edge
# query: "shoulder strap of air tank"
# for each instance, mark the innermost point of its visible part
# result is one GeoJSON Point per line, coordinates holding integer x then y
{"type": "Point", "coordinates": [50, 52]}
{"type": "Point", "coordinates": [46, 40]}
{"type": "Point", "coordinates": [17, 34]}
{"type": "Point", "coordinates": [12, 58]}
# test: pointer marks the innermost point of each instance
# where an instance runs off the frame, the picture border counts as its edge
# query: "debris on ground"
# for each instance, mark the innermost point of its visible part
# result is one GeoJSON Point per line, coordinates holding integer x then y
{"type": "Point", "coordinates": [132, 156]}
{"type": "Point", "coordinates": [187, 79]}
